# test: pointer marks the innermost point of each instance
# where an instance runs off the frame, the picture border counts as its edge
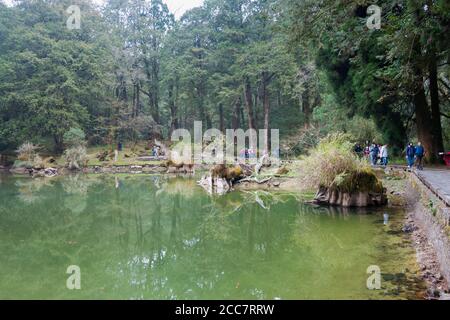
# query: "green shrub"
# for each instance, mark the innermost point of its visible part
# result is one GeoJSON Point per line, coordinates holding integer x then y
{"type": "Point", "coordinates": [74, 137]}
{"type": "Point", "coordinates": [363, 129]}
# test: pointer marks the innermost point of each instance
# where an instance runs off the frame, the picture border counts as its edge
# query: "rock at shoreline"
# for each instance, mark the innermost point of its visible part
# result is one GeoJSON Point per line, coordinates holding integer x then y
{"type": "Point", "coordinates": [48, 172]}
{"type": "Point", "coordinates": [25, 171]}
{"type": "Point", "coordinates": [346, 199]}
{"type": "Point", "coordinates": [360, 188]}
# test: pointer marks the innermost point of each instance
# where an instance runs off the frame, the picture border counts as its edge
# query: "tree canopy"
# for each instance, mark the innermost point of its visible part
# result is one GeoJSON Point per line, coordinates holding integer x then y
{"type": "Point", "coordinates": [132, 71]}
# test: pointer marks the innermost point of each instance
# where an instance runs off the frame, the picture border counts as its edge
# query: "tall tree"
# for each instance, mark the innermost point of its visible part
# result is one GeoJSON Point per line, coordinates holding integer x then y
{"type": "Point", "coordinates": [53, 78]}
{"type": "Point", "coordinates": [393, 60]}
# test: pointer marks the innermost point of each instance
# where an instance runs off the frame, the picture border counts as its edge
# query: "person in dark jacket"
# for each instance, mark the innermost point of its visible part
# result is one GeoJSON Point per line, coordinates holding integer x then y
{"type": "Point", "coordinates": [358, 150]}
{"type": "Point", "coordinates": [374, 151]}
{"type": "Point", "coordinates": [419, 153]}
{"type": "Point", "coordinates": [410, 154]}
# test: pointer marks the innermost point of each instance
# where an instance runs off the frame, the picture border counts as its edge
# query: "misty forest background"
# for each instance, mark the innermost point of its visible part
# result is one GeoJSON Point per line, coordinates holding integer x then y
{"type": "Point", "coordinates": [306, 67]}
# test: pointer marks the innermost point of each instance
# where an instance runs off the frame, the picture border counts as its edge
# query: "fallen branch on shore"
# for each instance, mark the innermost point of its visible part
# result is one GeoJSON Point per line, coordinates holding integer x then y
{"type": "Point", "coordinates": [261, 163]}
{"type": "Point", "coordinates": [254, 180]}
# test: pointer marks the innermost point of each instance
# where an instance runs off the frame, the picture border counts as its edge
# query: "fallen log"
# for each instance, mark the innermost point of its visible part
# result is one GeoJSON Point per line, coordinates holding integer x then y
{"type": "Point", "coordinates": [261, 163]}
{"type": "Point", "coordinates": [254, 180]}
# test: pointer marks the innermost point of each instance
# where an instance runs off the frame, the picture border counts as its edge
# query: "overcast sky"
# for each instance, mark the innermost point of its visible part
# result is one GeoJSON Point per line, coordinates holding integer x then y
{"type": "Point", "coordinates": [178, 7]}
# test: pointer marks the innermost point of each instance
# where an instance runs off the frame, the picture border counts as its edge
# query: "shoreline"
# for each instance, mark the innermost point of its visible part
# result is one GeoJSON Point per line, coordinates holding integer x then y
{"type": "Point", "coordinates": [426, 229]}
{"type": "Point", "coordinates": [428, 225]}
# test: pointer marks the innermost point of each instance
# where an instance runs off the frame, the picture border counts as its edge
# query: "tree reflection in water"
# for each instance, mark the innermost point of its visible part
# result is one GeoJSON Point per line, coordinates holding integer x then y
{"type": "Point", "coordinates": [156, 237]}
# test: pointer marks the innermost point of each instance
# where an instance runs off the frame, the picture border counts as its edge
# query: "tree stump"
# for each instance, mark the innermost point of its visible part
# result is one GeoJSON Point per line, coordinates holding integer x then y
{"type": "Point", "coordinates": [329, 196]}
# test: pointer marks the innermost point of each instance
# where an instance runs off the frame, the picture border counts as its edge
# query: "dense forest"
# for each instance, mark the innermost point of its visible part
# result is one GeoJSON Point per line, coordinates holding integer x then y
{"type": "Point", "coordinates": [133, 72]}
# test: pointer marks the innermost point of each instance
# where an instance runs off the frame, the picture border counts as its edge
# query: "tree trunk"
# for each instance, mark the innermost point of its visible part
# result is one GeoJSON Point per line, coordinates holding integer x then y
{"type": "Point", "coordinates": [306, 107]}
{"type": "Point", "coordinates": [152, 105]}
{"type": "Point", "coordinates": [173, 109]}
{"type": "Point", "coordinates": [279, 99]}
{"type": "Point", "coordinates": [236, 120]}
{"type": "Point", "coordinates": [156, 106]}
{"type": "Point", "coordinates": [138, 99]}
{"type": "Point", "coordinates": [423, 122]}
{"type": "Point", "coordinates": [266, 104]}
{"type": "Point", "coordinates": [422, 110]}
{"type": "Point", "coordinates": [317, 101]}
{"type": "Point", "coordinates": [221, 119]}
{"type": "Point", "coordinates": [256, 108]}
{"type": "Point", "coordinates": [133, 108]}
{"type": "Point", "coordinates": [242, 118]}
{"type": "Point", "coordinates": [58, 144]}
{"type": "Point", "coordinates": [249, 103]}
{"type": "Point", "coordinates": [155, 103]}
{"type": "Point", "coordinates": [155, 80]}
{"type": "Point", "coordinates": [204, 115]}
{"type": "Point", "coordinates": [435, 108]}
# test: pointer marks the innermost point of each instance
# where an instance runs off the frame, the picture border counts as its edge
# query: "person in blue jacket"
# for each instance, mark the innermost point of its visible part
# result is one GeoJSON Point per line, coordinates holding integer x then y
{"type": "Point", "coordinates": [374, 151]}
{"type": "Point", "coordinates": [410, 154]}
{"type": "Point", "coordinates": [419, 153]}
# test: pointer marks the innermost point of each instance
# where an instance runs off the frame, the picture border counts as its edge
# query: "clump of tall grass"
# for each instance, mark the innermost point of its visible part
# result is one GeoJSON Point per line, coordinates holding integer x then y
{"type": "Point", "coordinates": [333, 164]}
{"type": "Point", "coordinates": [27, 152]}
{"type": "Point", "coordinates": [27, 156]}
{"type": "Point", "coordinates": [76, 157]}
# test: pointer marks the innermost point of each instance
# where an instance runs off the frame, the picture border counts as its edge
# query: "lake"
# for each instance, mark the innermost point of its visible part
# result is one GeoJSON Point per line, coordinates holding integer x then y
{"type": "Point", "coordinates": [155, 237]}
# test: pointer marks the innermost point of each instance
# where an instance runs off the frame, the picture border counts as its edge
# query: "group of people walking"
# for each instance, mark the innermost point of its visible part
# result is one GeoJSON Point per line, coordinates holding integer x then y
{"type": "Point", "coordinates": [374, 153]}
{"type": "Point", "coordinates": [414, 155]}
{"type": "Point", "coordinates": [379, 154]}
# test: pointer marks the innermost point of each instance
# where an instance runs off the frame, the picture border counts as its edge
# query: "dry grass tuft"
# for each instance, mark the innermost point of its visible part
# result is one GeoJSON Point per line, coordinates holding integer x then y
{"type": "Point", "coordinates": [333, 164]}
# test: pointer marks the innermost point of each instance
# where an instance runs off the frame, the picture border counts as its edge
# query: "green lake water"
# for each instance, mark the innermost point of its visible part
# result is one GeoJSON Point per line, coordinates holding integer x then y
{"type": "Point", "coordinates": [154, 237]}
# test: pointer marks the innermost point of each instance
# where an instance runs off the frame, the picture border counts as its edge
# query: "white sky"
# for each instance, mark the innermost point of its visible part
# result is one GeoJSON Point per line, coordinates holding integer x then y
{"type": "Point", "coordinates": [178, 7]}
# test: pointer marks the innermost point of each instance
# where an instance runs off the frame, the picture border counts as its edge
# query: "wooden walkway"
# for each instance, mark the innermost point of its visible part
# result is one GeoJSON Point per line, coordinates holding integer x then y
{"type": "Point", "coordinates": [435, 179]}
{"type": "Point", "coordinates": [438, 181]}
